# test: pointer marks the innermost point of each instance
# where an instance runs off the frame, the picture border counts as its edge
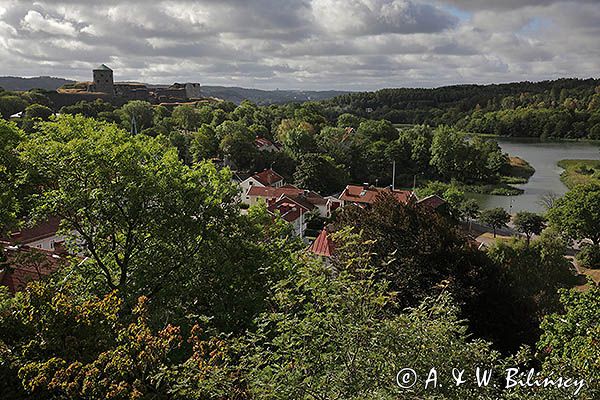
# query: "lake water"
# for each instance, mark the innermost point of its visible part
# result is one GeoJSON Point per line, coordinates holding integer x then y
{"type": "Point", "coordinates": [543, 156]}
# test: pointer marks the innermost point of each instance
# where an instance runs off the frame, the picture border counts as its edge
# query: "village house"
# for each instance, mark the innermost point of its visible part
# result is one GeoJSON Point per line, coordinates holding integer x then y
{"type": "Point", "coordinates": [22, 264]}
{"type": "Point", "coordinates": [30, 254]}
{"type": "Point", "coordinates": [266, 178]}
{"type": "Point", "coordinates": [41, 236]}
{"type": "Point", "coordinates": [323, 245]}
{"type": "Point", "coordinates": [292, 210]}
{"type": "Point", "coordinates": [365, 195]}
{"type": "Point", "coordinates": [263, 144]}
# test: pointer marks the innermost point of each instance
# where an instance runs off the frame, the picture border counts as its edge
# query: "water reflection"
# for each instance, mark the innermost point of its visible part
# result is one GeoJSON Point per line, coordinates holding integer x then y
{"type": "Point", "coordinates": [543, 156]}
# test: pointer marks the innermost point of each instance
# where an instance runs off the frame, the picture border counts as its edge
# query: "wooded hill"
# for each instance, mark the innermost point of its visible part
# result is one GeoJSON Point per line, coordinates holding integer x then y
{"type": "Point", "coordinates": [559, 108]}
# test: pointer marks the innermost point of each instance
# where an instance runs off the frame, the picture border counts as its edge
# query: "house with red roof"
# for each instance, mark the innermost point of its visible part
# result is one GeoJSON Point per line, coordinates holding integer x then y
{"type": "Point", "coordinates": [365, 195]}
{"type": "Point", "coordinates": [42, 235]}
{"type": "Point", "coordinates": [268, 194]}
{"type": "Point", "coordinates": [433, 202]}
{"type": "Point", "coordinates": [22, 264]}
{"type": "Point", "coordinates": [294, 210]}
{"type": "Point", "coordinates": [264, 144]}
{"type": "Point", "coordinates": [323, 245]}
{"type": "Point", "coordinates": [266, 178]}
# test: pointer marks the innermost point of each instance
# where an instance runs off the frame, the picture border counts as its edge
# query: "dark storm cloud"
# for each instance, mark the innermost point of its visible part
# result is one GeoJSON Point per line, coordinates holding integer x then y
{"type": "Point", "coordinates": [353, 44]}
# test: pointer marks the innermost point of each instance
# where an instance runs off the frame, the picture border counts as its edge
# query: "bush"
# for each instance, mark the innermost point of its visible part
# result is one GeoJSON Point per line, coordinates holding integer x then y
{"type": "Point", "coordinates": [589, 256]}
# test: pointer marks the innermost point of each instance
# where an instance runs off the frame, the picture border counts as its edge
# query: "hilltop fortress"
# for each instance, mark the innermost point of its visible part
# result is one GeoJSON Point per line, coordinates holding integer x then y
{"type": "Point", "coordinates": [104, 87]}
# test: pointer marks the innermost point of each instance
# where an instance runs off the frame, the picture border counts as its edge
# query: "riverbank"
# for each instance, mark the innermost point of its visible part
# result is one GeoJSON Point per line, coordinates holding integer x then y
{"type": "Point", "coordinates": [536, 138]}
{"type": "Point", "coordinates": [517, 172]}
{"type": "Point", "coordinates": [578, 172]}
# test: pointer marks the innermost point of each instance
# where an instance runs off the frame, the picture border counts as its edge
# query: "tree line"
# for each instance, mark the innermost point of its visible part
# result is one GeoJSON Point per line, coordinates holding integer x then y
{"type": "Point", "coordinates": [563, 108]}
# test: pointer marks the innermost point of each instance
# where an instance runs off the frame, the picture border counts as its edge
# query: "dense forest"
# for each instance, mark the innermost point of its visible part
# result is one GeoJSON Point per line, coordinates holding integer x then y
{"type": "Point", "coordinates": [564, 108]}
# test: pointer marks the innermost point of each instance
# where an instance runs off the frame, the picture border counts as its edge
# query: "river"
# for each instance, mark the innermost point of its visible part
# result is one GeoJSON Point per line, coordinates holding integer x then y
{"type": "Point", "coordinates": [543, 156]}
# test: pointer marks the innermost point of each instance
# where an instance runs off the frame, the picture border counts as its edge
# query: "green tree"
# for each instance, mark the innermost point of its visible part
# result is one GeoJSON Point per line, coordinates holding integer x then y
{"type": "Point", "coordinates": [569, 342]}
{"type": "Point", "coordinates": [136, 210]}
{"type": "Point", "coordinates": [448, 149]}
{"type": "Point", "coordinates": [334, 335]}
{"type": "Point", "coordinates": [139, 112]}
{"type": "Point", "coordinates": [152, 226]}
{"type": "Point", "coordinates": [496, 218]}
{"type": "Point", "coordinates": [377, 130]}
{"type": "Point", "coordinates": [577, 213]}
{"type": "Point", "coordinates": [348, 120]}
{"type": "Point", "coordinates": [529, 224]}
{"type": "Point", "coordinates": [298, 137]}
{"type": "Point", "coordinates": [320, 173]}
{"type": "Point", "coordinates": [10, 104]}
{"type": "Point", "coordinates": [408, 238]}
{"type": "Point", "coordinates": [237, 144]}
{"type": "Point", "coordinates": [80, 347]}
{"type": "Point", "coordinates": [10, 137]}
{"type": "Point", "coordinates": [204, 144]}
{"type": "Point", "coordinates": [525, 289]}
{"type": "Point", "coordinates": [187, 117]}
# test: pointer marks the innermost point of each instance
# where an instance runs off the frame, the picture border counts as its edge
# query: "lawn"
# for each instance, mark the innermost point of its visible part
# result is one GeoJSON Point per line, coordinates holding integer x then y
{"type": "Point", "coordinates": [577, 172]}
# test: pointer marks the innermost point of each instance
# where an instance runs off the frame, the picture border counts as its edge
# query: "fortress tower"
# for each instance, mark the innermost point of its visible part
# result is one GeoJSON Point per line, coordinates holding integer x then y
{"type": "Point", "coordinates": [103, 80]}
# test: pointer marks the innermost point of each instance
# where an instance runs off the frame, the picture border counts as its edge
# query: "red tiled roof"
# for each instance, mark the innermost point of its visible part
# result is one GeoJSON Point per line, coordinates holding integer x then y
{"type": "Point", "coordinates": [368, 195]}
{"type": "Point", "coordinates": [36, 232]}
{"type": "Point", "coordinates": [311, 197]}
{"type": "Point", "coordinates": [263, 142]}
{"type": "Point", "coordinates": [24, 264]}
{"type": "Point", "coordinates": [273, 192]}
{"type": "Point", "coordinates": [268, 177]}
{"type": "Point", "coordinates": [322, 246]}
{"type": "Point", "coordinates": [434, 201]}
{"type": "Point", "coordinates": [289, 209]}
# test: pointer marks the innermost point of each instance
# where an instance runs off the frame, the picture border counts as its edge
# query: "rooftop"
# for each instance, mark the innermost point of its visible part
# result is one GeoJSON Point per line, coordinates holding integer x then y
{"type": "Point", "coordinates": [24, 264]}
{"type": "Point", "coordinates": [268, 177]}
{"type": "Point", "coordinates": [365, 194]}
{"type": "Point", "coordinates": [102, 67]}
{"type": "Point", "coordinates": [323, 245]}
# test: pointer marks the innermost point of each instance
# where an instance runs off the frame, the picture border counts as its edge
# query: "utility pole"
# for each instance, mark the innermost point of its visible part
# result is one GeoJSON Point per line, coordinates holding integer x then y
{"type": "Point", "coordinates": [394, 175]}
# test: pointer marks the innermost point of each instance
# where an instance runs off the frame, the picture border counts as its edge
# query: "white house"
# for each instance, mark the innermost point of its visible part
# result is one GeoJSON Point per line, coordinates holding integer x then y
{"type": "Point", "coordinates": [266, 178]}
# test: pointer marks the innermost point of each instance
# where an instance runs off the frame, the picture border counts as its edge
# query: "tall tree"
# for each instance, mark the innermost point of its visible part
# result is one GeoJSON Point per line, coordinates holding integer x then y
{"type": "Point", "coordinates": [569, 343]}
{"type": "Point", "coordinates": [496, 218]}
{"type": "Point", "coordinates": [135, 208]}
{"type": "Point", "coordinates": [237, 144]}
{"type": "Point", "coordinates": [529, 224]}
{"type": "Point", "coordinates": [334, 335]}
{"type": "Point", "coordinates": [320, 173]}
{"type": "Point", "coordinates": [10, 137]}
{"type": "Point", "coordinates": [137, 115]}
{"type": "Point", "coordinates": [577, 214]}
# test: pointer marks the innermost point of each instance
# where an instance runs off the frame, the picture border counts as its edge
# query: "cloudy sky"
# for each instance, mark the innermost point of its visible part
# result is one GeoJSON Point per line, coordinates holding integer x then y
{"type": "Point", "coordinates": [304, 44]}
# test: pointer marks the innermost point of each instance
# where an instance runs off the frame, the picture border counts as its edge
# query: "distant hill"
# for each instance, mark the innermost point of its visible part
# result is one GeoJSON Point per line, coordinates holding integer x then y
{"type": "Point", "coordinates": [238, 94]}
{"type": "Point", "coordinates": [39, 82]}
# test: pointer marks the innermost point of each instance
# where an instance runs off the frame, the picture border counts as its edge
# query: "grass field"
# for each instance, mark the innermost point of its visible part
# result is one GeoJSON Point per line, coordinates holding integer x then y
{"type": "Point", "coordinates": [577, 172]}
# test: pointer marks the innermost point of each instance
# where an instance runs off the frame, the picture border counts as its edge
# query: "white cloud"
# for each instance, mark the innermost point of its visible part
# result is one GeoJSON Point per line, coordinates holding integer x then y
{"type": "Point", "coordinates": [36, 22]}
{"type": "Point", "coordinates": [352, 44]}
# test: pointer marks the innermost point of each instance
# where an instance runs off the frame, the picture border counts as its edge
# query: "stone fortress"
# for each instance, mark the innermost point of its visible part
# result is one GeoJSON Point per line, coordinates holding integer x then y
{"type": "Point", "coordinates": [104, 87]}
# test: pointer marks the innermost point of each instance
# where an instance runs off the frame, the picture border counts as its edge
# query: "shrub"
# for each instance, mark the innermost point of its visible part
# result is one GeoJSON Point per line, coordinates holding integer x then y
{"type": "Point", "coordinates": [589, 256]}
